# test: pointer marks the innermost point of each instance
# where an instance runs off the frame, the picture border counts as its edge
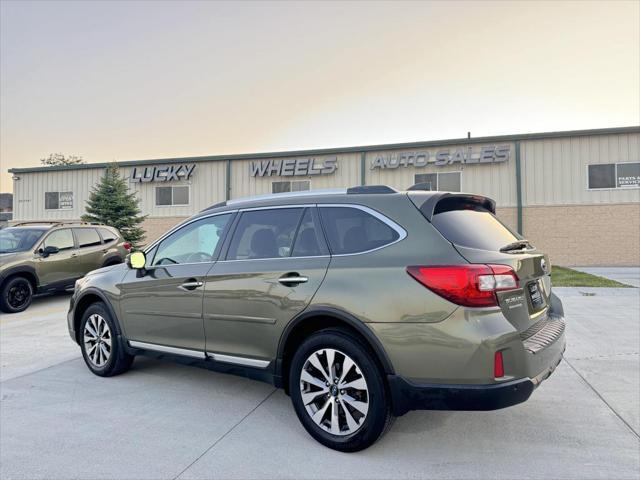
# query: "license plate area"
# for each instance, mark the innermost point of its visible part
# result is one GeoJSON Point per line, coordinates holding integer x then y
{"type": "Point", "coordinates": [535, 294]}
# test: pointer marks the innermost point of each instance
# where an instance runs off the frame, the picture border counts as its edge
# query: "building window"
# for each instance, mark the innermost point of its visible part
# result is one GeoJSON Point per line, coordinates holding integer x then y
{"type": "Point", "coordinates": [58, 200]}
{"type": "Point", "coordinates": [613, 175]}
{"type": "Point", "coordinates": [288, 186]}
{"type": "Point", "coordinates": [172, 196]}
{"type": "Point", "coordinates": [442, 181]}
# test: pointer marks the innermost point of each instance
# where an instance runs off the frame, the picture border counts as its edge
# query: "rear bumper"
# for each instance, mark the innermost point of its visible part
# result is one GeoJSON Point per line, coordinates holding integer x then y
{"type": "Point", "coordinates": [407, 396]}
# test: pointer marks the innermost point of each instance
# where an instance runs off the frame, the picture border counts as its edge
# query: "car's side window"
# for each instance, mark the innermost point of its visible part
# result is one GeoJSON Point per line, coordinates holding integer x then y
{"type": "Point", "coordinates": [193, 243]}
{"type": "Point", "coordinates": [61, 239]}
{"type": "Point", "coordinates": [352, 230]}
{"type": "Point", "coordinates": [265, 234]}
{"type": "Point", "coordinates": [87, 237]}
{"type": "Point", "coordinates": [309, 241]}
{"type": "Point", "coordinates": [107, 235]}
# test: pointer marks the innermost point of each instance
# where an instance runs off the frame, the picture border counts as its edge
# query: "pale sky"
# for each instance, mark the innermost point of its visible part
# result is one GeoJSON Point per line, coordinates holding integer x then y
{"type": "Point", "coordinates": [134, 80]}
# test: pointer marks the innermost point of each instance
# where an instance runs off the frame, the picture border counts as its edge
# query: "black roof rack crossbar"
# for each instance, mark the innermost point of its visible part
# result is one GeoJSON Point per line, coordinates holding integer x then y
{"type": "Point", "coordinates": [362, 189]}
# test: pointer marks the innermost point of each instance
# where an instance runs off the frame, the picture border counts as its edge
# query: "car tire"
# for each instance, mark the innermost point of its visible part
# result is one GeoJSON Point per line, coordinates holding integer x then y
{"type": "Point", "coordinates": [16, 295]}
{"type": "Point", "coordinates": [101, 347]}
{"type": "Point", "coordinates": [353, 395]}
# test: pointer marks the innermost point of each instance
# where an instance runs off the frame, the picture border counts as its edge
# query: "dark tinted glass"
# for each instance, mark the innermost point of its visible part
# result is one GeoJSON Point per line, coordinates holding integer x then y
{"type": "Point", "coordinates": [280, 187]}
{"type": "Point", "coordinates": [308, 241]}
{"type": "Point", "coordinates": [87, 237]}
{"type": "Point", "coordinates": [180, 195]}
{"type": "Point", "coordinates": [61, 239]}
{"type": "Point", "coordinates": [51, 200]}
{"type": "Point", "coordinates": [107, 235]}
{"type": "Point", "coordinates": [602, 176]}
{"type": "Point", "coordinates": [449, 182]}
{"type": "Point", "coordinates": [473, 226]}
{"type": "Point", "coordinates": [163, 196]}
{"type": "Point", "coordinates": [264, 234]}
{"type": "Point", "coordinates": [351, 230]}
{"type": "Point", "coordinates": [430, 179]}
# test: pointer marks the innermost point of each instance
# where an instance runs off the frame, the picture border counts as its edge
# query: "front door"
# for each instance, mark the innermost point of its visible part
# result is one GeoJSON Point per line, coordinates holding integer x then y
{"type": "Point", "coordinates": [276, 260]}
{"type": "Point", "coordinates": [163, 306]}
{"type": "Point", "coordinates": [58, 269]}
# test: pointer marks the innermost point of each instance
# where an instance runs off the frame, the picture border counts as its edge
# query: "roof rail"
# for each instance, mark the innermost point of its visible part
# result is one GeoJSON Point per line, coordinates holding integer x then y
{"type": "Point", "coordinates": [371, 189]}
{"type": "Point", "coordinates": [54, 223]}
{"type": "Point", "coordinates": [304, 193]}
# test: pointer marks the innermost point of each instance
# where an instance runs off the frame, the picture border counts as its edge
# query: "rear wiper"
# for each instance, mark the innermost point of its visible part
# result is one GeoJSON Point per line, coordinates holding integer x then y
{"type": "Point", "coordinates": [517, 245]}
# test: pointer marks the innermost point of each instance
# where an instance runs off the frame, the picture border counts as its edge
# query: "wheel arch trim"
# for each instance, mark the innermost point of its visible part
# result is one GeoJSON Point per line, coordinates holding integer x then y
{"type": "Point", "coordinates": [342, 316]}
{"type": "Point", "coordinates": [21, 269]}
{"type": "Point", "coordinates": [95, 292]}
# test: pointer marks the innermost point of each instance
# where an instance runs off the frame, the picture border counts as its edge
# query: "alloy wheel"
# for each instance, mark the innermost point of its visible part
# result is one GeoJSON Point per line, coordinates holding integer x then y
{"type": "Point", "coordinates": [334, 392]}
{"type": "Point", "coordinates": [18, 295]}
{"type": "Point", "coordinates": [97, 340]}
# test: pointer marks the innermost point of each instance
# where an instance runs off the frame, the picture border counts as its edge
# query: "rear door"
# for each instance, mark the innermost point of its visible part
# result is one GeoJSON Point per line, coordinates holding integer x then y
{"type": "Point", "coordinates": [481, 238]}
{"type": "Point", "coordinates": [90, 249]}
{"type": "Point", "coordinates": [275, 262]}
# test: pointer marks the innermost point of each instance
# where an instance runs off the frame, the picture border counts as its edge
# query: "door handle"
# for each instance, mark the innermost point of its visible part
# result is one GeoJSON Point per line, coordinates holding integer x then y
{"type": "Point", "coordinates": [191, 285]}
{"type": "Point", "coordinates": [292, 279]}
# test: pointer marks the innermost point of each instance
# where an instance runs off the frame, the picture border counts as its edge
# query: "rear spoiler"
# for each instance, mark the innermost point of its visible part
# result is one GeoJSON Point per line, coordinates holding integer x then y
{"type": "Point", "coordinates": [430, 202]}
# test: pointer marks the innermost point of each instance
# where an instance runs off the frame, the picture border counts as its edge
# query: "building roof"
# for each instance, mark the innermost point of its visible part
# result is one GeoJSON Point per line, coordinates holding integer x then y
{"type": "Point", "coordinates": [326, 151]}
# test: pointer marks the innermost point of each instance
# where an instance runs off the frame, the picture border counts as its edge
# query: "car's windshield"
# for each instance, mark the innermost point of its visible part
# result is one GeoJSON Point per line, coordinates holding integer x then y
{"type": "Point", "coordinates": [18, 239]}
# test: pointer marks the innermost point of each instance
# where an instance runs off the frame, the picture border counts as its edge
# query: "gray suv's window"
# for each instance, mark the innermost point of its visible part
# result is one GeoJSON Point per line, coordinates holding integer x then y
{"type": "Point", "coordinates": [351, 230]}
{"type": "Point", "coordinates": [61, 239]}
{"type": "Point", "coordinates": [193, 243]}
{"type": "Point", "coordinates": [265, 234]}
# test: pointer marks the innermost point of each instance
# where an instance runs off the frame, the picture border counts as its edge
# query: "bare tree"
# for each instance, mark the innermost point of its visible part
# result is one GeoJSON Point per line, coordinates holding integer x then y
{"type": "Point", "coordinates": [55, 159]}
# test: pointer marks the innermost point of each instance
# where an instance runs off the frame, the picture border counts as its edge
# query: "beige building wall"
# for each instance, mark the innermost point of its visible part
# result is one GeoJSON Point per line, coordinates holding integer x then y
{"type": "Point", "coordinates": [496, 180]}
{"type": "Point", "coordinates": [243, 184]}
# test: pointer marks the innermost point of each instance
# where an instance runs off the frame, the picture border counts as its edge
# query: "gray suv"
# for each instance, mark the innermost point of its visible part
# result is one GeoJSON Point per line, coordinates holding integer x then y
{"type": "Point", "coordinates": [362, 304]}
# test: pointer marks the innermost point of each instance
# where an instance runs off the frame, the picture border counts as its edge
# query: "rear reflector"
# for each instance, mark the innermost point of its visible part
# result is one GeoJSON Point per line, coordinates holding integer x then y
{"type": "Point", "coordinates": [498, 365]}
{"type": "Point", "coordinates": [467, 285]}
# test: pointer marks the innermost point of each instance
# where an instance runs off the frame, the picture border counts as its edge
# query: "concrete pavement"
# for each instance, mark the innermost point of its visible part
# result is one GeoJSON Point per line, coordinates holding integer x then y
{"type": "Point", "coordinates": [626, 275]}
{"type": "Point", "coordinates": [162, 420]}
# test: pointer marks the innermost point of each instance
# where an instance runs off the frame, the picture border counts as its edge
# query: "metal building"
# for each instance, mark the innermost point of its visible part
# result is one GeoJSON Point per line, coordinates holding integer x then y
{"type": "Point", "coordinates": [575, 194]}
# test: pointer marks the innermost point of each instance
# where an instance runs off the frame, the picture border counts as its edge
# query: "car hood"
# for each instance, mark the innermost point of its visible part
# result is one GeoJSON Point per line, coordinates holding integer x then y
{"type": "Point", "coordinates": [9, 257]}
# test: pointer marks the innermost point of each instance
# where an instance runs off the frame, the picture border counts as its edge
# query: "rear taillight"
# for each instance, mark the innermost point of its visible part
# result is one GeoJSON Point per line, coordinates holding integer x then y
{"type": "Point", "coordinates": [467, 285]}
{"type": "Point", "coordinates": [126, 245]}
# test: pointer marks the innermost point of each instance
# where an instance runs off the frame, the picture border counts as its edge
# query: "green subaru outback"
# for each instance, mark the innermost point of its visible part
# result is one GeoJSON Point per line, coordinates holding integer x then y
{"type": "Point", "coordinates": [362, 304]}
{"type": "Point", "coordinates": [47, 257]}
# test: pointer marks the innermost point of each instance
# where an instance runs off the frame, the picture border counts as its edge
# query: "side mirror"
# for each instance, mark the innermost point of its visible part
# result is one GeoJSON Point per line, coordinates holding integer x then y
{"type": "Point", "coordinates": [136, 260]}
{"type": "Point", "coordinates": [50, 250]}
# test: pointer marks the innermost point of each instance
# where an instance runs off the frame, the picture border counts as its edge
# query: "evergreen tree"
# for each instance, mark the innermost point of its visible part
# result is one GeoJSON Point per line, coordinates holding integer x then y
{"type": "Point", "coordinates": [111, 203]}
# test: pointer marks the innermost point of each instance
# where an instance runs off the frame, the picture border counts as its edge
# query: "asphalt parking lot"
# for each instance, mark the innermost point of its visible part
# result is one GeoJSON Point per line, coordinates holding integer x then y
{"type": "Point", "coordinates": [161, 420]}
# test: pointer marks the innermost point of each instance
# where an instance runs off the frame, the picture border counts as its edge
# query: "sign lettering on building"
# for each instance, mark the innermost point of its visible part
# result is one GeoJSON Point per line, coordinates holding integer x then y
{"type": "Point", "coordinates": [293, 167]}
{"type": "Point", "coordinates": [439, 158]}
{"type": "Point", "coordinates": [171, 173]}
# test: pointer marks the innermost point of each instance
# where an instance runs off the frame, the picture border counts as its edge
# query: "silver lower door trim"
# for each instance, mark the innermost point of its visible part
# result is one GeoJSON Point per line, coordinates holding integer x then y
{"type": "Point", "coordinates": [218, 357]}
{"type": "Point", "coordinates": [174, 350]}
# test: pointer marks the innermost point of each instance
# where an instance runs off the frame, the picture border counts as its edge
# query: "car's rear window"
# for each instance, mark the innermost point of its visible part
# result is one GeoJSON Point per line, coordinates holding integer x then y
{"type": "Point", "coordinates": [352, 230]}
{"type": "Point", "coordinates": [473, 226]}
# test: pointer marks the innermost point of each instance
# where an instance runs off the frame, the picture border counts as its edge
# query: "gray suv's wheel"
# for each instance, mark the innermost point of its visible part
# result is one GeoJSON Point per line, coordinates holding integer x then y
{"type": "Point", "coordinates": [16, 295]}
{"type": "Point", "coordinates": [338, 391]}
{"type": "Point", "coordinates": [101, 348]}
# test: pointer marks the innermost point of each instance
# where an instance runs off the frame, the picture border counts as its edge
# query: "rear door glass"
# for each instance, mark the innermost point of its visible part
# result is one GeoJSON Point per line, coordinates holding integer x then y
{"type": "Point", "coordinates": [265, 234]}
{"type": "Point", "coordinates": [87, 237]}
{"type": "Point", "coordinates": [473, 226]}
{"type": "Point", "coordinates": [352, 230]}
